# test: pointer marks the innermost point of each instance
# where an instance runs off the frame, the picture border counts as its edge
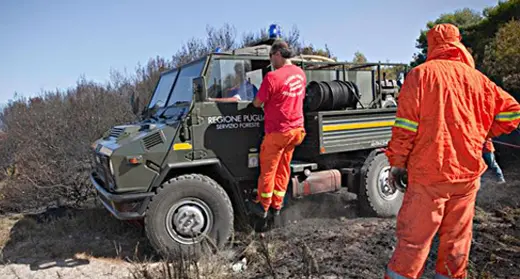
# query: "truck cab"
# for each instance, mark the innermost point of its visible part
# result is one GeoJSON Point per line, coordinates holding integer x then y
{"type": "Point", "coordinates": [190, 168]}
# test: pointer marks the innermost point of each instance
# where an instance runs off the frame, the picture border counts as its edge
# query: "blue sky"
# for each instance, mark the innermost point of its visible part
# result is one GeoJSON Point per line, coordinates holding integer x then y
{"type": "Point", "coordinates": [46, 45]}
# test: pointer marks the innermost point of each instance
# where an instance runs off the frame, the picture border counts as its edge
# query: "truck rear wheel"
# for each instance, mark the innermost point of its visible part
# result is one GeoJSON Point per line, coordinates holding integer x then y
{"type": "Point", "coordinates": [376, 196]}
{"type": "Point", "coordinates": [188, 212]}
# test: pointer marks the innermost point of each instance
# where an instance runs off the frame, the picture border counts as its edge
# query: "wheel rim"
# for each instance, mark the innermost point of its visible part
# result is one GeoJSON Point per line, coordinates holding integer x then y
{"type": "Point", "coordinates": [386, 191]}
{"type": "Point", "coordinates": [189, 220]}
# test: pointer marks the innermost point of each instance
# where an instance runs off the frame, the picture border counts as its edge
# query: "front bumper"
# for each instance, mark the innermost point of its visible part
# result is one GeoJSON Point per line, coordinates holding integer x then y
{"type": "Point", "coordinates": [128, 206]}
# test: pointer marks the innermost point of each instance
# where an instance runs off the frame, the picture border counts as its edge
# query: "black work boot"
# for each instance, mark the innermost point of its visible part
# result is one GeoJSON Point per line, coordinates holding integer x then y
{"type": "Point", "coordinates": [276, 211]}
{"type": "Point", "coordinates": [258, 209]}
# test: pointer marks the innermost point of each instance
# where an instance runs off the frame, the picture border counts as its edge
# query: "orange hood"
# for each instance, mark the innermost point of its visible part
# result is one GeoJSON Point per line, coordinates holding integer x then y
{"type": "Point", "coordinates": [444, 42]}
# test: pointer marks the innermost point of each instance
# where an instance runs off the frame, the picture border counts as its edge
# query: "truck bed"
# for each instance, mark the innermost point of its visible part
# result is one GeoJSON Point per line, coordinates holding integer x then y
{"type": "Point", "coordinates": [342, 131]}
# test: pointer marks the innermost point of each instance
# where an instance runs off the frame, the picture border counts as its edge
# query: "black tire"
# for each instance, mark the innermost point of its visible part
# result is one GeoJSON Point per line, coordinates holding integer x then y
{"type": "Point", "coordinates": [371, 194]}
{"type": "Point", "coordinates": [200, 194]}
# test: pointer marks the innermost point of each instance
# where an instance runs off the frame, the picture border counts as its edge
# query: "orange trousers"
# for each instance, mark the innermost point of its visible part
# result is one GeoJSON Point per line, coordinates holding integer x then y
{"type": "Point", "coordinates": [276, 154]}
{"type": "Point", "coordinates": [427, 209]}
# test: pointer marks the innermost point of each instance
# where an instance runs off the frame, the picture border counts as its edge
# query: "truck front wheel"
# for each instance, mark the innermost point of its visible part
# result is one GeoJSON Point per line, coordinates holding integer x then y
{"type": "Point", "coordinates": [376, 196]}
{"type": "Point", "coordinates": [188, 212]}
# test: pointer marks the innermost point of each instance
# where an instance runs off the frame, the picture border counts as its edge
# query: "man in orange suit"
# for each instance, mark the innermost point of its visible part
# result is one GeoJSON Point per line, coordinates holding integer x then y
{"type": "Point", "coordinates": [447, 109]}
{"type": "Point", "coordinates": [282, 92]}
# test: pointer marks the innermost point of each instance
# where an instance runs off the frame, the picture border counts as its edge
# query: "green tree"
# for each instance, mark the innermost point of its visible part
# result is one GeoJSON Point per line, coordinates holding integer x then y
{"type": "Point", "coordinates": [502, 57]}
{"type": "Point", "coordinates": [359, 58]}
{"type": "Point", "coordinates": [479, 36]}
{"type": "Point", "coordinates": [311, 50]}
{"type": "Point", "coordinates": [464, 18]}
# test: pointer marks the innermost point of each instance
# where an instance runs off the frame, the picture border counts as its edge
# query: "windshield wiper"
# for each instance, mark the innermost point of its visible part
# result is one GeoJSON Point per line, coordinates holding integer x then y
{"type": "Point", "coordinates": [181, 103]}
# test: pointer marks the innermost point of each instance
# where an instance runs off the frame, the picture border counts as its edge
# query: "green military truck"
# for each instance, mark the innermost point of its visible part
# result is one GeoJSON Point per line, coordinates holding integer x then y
{"type": "Point", "coordinates": [190, 168]}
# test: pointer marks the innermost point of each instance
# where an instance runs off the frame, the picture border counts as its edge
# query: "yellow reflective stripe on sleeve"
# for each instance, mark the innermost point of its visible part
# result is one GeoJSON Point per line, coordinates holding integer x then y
{"type": "Point", "coordinates": [406, 124]}
{"type": "Point", "coordinates": [508, 116]}
{"type": "Point", "coordinates": [266, 195]}
{"type": "Point", "coordinates": [279, 193]}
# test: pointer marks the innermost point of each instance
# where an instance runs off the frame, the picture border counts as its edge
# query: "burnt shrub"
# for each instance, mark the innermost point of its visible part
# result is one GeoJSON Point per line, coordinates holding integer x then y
{"type": "Point", "coordinates": [46, 153]}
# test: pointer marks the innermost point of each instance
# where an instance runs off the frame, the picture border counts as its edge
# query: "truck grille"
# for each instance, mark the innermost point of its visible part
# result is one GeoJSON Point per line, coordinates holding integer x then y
{"type": "Point", "coordinates": [153, 140]}
{"type": "Point", "coordinates": [116, 132]}
{"type": "Point", "coordinates": [102, 169]}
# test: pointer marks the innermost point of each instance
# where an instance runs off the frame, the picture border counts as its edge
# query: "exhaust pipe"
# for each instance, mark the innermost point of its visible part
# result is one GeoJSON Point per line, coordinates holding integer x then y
{"type": "Point", "coordinates": [317, 182]}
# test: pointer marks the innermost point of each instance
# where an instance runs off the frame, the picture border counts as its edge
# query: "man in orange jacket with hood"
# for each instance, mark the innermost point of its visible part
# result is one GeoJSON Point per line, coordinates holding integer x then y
{"type": "Point", "coordinates": [447, 109]}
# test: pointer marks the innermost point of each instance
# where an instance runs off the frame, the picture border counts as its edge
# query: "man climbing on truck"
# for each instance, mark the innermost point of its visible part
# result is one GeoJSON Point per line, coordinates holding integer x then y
{"type": "Point", "coordinates": [446, 111]}
{"type": "Point", "coordinates": [282, 93]}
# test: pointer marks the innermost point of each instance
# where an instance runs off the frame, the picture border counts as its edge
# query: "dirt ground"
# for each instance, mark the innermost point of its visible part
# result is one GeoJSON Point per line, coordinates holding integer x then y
{"type": "Point", "coordinates": [321, 237]}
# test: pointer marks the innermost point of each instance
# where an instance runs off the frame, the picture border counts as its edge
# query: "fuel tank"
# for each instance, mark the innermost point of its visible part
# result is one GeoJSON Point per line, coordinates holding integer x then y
{"type": "Point", "coordinates": [317, 182]}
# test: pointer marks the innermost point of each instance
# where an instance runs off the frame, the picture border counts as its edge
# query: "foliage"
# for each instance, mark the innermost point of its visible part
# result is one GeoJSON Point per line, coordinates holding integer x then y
{"type": "Point", "coordinates": [311, 50]}
{"type": "Point", "coordinates": [387, 72]}
{"type": "Point", "coordinates": [359, 58]}
{"type": "Point", "coordinates": [480, 35]}
{"type": "Point", "coordinates": [490, 36]}
{"type": "Point", "coordinates": [502, 56]}
{"type": "Point", "coordinates": [463, 18]}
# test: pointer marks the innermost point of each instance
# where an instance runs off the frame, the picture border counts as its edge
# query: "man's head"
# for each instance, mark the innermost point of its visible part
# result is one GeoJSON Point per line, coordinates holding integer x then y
{"type": "Point", "coordinates": [241, 68]}
{"type": "Point", "coordinates": [444, 42]}
{"type": "Point", "coordinates": [280, 53]}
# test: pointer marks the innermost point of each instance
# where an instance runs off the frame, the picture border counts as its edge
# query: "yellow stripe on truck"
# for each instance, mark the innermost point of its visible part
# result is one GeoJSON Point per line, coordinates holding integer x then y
{"type": "Point", "coordinates": [182, 146]}
{"type": "Point", "coordinates": [353, 126]}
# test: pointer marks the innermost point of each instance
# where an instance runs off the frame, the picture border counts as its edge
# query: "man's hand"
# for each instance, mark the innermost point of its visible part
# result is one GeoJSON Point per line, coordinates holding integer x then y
{"type": "Point", "coordinates": [256, 102]}
{"type": "Point", "coordinates": [398, 178]}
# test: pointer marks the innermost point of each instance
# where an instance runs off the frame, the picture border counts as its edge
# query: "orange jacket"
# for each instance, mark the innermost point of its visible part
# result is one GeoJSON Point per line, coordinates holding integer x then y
{"type": "Point", "coordinates": [446, 111]}
{"type": "Point", "coordinates": [488, 146]}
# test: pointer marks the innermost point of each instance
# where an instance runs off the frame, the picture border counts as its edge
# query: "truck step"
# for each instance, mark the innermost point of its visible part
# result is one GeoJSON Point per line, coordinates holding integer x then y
{"type": "Point", "coordinates": [299, 166]}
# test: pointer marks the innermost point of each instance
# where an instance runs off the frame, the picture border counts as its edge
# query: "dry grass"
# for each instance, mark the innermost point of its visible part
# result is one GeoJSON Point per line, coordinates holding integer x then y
{"type": "Point", "coordinates": [211, 266]}
{"type": "Point", "coordinates": [255, 254]}
{"type": "Point", "coordinates": [6, 224]}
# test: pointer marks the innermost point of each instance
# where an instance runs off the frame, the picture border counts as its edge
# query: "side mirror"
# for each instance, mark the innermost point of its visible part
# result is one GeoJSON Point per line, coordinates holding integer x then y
{"type": "Point", "coordinates": [199, 89]}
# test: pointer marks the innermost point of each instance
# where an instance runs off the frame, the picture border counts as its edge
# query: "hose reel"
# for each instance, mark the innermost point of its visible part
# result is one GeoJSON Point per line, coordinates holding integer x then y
{"type": "Point", "coordinates": [331, 95]}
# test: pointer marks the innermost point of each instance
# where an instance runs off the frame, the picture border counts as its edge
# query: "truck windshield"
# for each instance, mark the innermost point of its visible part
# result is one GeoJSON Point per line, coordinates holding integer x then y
{"type": "Point", "coordinates": [183, 90]}
{"type": "Point", "coordinates": [163, 89]}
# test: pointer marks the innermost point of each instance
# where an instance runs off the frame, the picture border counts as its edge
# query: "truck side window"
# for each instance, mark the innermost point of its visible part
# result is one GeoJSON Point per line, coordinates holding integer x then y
{"type": "Point", "coordinates": [232, 80]}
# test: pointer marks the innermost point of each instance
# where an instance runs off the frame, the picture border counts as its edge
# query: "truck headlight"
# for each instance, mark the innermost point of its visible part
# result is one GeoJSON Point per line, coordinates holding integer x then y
{"type": "Point", "coordinates": [111, 167]}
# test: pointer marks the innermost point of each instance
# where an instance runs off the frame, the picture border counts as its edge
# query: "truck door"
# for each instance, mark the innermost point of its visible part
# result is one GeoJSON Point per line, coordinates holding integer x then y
{"type": "Point", "coordinates": [232, 130]}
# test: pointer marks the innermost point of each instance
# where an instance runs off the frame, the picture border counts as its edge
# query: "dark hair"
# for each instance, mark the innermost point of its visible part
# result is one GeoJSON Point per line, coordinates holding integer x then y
{"type": "Point", "coordinates": [283, 47]}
